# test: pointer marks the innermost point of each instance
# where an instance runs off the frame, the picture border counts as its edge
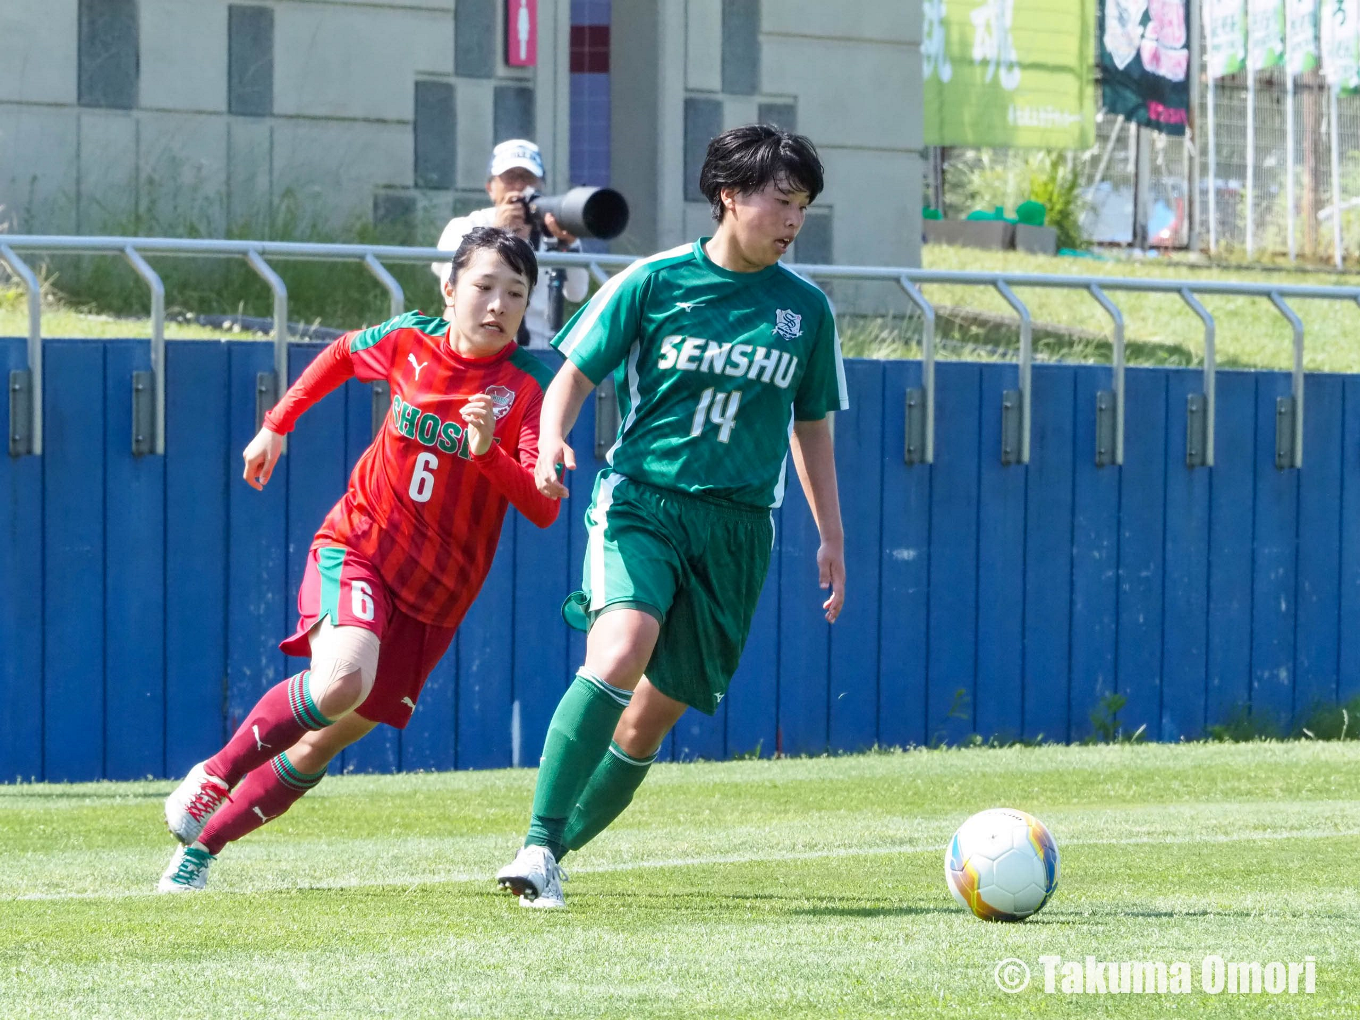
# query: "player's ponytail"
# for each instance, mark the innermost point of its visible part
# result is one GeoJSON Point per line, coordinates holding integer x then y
{"type": "Point", "coordinates": [513, 250]}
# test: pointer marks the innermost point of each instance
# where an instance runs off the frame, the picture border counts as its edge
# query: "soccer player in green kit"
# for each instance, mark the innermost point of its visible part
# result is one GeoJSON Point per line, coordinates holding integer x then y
{"type": "Point", "coordinates": [723, 361]}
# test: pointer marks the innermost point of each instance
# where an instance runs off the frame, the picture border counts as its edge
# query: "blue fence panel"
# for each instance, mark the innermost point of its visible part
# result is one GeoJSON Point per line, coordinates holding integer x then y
{"type": "Point", "coordinates": [1095, 565]}
{"type": "Point", "coordinates": [997, 695]}
{"type": "Point", "coordinates": [803, 637]}
{"type": "Point", "coordinates": [753, 697]}
{"type": "Point", "coordinates": [1185, 630]}
{"type": "Point", "coordinates": [1142, 503]}
{"type": "Point", "coordinates": [904, 571]}
{"type": "Point", "coordinates": [1274, 549]}
{"type": "Point", "coordinates": [952, 662]}
{"type": "Point", "coordinates": [1231, 520]}
{"type": "Point", "coordinates": [486, 649]}
{"type": "Point", "coordinates": [1349, 609]}
{"type": "Point", "coordinates": [855, 635]}
{"type": "Point", "coordinates": [1048, 555]}
{"type": "Point", "coordinates": [21, 622]}
{"type": "Point", "coordinates": [1318, 624]}
{"type": "Point", "coordinates": [261, 611]}
{"type": "Point", "coordinates": [134, 580]}
{"type": "Point", "coordinates": [982, 599]}
{"type": "Point", "coordinates": [199, 470]}
{"type": "Point", "coordinates": [73, 542]}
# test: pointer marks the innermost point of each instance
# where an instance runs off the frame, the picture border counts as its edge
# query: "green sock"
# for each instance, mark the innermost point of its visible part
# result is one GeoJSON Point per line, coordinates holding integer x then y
{"type": "Point", "coordinates": [578, 737]}
{"type": "Point", "coordinates": [609, 791]}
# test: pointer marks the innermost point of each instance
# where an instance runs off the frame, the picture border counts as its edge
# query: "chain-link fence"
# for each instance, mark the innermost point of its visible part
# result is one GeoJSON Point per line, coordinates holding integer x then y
{"type": "Point", "coordinates": [973, 178]}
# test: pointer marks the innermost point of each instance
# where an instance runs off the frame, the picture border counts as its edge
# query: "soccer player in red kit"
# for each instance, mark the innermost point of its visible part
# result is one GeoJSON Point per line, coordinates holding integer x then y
{"type": "Point", "coordinates": [400, 558]}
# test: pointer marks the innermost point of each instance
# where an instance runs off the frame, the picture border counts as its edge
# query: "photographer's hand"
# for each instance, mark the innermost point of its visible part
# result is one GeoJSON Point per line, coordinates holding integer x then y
{"type": "Point", "coordinates": [555, 228]}
{"type": "Point", "coordinates": [510, 215]}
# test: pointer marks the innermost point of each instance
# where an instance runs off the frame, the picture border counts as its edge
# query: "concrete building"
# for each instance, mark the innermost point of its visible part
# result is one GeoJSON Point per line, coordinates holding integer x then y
{"type": "Point", "coordinates": [175, 115]}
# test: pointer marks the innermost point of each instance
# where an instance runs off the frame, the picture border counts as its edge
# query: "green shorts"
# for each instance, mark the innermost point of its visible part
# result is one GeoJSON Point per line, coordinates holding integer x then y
{"type": "Point", "coordinates": [696, 564]}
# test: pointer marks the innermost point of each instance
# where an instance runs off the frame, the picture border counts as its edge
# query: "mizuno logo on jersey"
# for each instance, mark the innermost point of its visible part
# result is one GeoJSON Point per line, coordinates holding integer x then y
{"type": "Point", "coordinates": [763, 364]}
{"type": "Point", "coordinates": [428, 430]}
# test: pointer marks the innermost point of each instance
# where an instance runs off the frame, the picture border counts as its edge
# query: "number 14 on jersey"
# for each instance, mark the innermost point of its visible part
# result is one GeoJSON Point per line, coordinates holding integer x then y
{"type": "Point", "coordinates": [719, 409]}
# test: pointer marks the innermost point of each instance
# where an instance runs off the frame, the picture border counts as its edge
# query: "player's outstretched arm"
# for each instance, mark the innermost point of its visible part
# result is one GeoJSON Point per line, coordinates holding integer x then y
{"type": "Point", "coordinates": [561, 407]}
{"type": "Point", "coordinates": [814, 457]}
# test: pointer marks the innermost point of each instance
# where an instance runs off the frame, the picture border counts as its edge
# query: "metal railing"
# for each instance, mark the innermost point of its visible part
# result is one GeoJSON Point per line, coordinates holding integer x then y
{"type": "Point", "coordinates": [26, 426]}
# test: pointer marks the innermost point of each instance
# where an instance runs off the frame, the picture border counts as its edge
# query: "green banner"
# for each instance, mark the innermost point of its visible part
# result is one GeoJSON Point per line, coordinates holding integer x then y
{"type": "Point", "coordinates": [1225, 36]}
{"type": "Point", "coordinates": [1265, 34]}
{"type": "Point", "coordinates": [1339, 26]}
{"type": "Point", "coordinates": [1301, 35]}
{"type": "Point", "coordinates": [1013, 73]}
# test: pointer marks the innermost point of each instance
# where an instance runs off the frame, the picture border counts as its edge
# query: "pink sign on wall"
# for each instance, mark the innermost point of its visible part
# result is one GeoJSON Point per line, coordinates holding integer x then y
{"type": "Point", "coordinates": [521, 33]}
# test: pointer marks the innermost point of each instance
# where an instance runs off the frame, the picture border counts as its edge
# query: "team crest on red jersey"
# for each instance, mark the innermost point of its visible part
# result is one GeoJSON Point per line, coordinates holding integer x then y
{"type": "Point", "coordinates": [502, 397]}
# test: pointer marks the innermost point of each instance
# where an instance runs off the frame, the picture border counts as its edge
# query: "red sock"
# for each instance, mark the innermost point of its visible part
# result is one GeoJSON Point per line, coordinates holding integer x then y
{"type": "Point", "coordinates": [264, 794]}
{"type": "Point", "coordinates": [277, 721]}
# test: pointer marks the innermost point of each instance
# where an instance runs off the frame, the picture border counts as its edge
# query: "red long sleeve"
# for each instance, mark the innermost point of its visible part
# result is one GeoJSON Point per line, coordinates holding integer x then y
{"type": "Point", "coordinates": [329, 370]}
{"type": "Point", "coordinates": [516, 481]}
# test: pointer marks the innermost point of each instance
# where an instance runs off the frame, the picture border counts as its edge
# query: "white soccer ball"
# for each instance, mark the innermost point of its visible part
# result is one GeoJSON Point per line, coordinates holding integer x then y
{"type": "Point", "coordinates": [1002, 865]}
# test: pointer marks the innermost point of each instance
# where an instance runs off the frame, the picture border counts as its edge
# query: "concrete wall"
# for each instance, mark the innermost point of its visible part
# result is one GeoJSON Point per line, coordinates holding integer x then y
{"type": "Point", "coordinates": [341, 130]}
{"type": "Point", "coordinates": [339, 142]}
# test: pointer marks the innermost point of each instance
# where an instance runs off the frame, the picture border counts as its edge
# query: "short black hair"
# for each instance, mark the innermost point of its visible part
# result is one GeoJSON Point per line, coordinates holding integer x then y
{"type": "Point", "coordinates": [513, 250]}
{"type": "Point", "coordinates": [748, 158]}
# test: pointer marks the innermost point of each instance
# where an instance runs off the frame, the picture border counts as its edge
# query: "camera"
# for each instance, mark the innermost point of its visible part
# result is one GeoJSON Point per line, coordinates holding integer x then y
{"type": "Point", "coordinates": [584, 212]}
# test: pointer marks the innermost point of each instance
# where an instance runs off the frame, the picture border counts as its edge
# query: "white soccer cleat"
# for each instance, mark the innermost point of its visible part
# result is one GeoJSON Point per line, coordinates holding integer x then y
{"type": "Point", "coordinates": [551, 896]}
{"type": "Point", "coordinates": [534, 875]}
{"type": "Point", "coordinates": [192, 803]}
{"type": "Point", "coordinates": [187, 871]}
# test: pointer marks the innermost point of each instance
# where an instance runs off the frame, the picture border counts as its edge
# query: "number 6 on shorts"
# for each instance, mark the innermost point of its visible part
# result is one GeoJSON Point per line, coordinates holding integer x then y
{"type": "Point", "coordinates": [361, 600]}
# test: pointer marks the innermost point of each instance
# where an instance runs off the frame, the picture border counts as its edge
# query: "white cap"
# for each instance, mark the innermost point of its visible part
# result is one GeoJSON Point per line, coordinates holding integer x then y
{"type": "Point", "coordinates": [516, 152]}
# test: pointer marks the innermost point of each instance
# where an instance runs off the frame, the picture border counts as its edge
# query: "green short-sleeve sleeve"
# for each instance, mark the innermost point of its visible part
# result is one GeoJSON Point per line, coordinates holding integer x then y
{"type": "Point", "coordinates": [597, 338]}
{"type": "Point", "coordinates": [822, 388]}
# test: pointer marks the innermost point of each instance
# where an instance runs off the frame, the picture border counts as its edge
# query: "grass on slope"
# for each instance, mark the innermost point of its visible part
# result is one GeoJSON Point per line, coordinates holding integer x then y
{"type": "Point", "coordinates": [805, 887]}
{"type": "Point", "coordinates": [1159, 329]}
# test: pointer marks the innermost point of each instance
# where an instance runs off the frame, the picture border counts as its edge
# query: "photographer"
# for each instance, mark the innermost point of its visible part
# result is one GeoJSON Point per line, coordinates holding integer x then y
{"type": "Point", "coordinates": [516, 166]}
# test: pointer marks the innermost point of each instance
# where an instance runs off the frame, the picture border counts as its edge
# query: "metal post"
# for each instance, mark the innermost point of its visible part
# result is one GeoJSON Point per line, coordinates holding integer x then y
{"type": "Point", "coordinates": [1335, 132]}
{"type": "Point", "coordinates": [1296, 383]}
{"type": "Point", "coordinates": [1196, 55]}
{"type": "Point", "coordinates": [1026, 362]}
{"type": "Point", "coordinates": [275, 282]}
{"type": "Point", "coordinates": [927, 368]}
{"type": "Point", "coordinates": [1142, 181]}
{"type": "Point", "coordinates": [394, 292]}
{"type": "Point", "coordinates": [33, 292]}
{"type": "Point", "coordinates": [1251, 148]}
{"type": "Point", "coordinates": [1289, 127]}
{"type": "Point", "coordinates": [1210, 369]}
{"type": "Point", "coordinates": [1117, 368]}
{"type": "Point", "coordinates": [153, 281]}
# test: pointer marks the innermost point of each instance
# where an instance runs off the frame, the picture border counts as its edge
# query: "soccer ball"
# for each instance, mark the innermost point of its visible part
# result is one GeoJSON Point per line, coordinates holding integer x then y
{"type": "Point", "coordinates": [1002, 865]}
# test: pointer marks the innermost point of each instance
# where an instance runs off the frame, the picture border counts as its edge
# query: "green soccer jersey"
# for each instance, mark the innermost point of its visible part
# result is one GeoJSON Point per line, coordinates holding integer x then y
{"type": "Point", "coordinates": [711, 369]}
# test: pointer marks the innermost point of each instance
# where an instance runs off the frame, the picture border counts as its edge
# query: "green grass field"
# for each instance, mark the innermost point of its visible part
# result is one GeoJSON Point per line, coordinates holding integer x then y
{"type": "Point", "coordinates": [806, 887]}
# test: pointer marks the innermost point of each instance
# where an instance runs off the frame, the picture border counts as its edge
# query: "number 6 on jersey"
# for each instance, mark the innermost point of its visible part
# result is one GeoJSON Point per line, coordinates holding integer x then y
{"type": "Point", "coordinates": [422, 478]}
{"type": "Point", "coordinates": [720, 409]}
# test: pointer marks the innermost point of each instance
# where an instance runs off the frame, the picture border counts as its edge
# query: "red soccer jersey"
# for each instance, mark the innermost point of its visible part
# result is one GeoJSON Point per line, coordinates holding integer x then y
{"type": "Point", "coordinates": [420, 507]}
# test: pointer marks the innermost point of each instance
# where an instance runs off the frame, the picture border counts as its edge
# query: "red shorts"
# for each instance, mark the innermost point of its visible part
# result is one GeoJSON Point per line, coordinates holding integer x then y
{"type": "Point", "coordinates": [341, 584]}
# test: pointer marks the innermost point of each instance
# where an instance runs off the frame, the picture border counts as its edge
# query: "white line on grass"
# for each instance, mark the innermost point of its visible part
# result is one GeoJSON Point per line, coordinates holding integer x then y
{"type": "Point", "coordinates": [689, 862]}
